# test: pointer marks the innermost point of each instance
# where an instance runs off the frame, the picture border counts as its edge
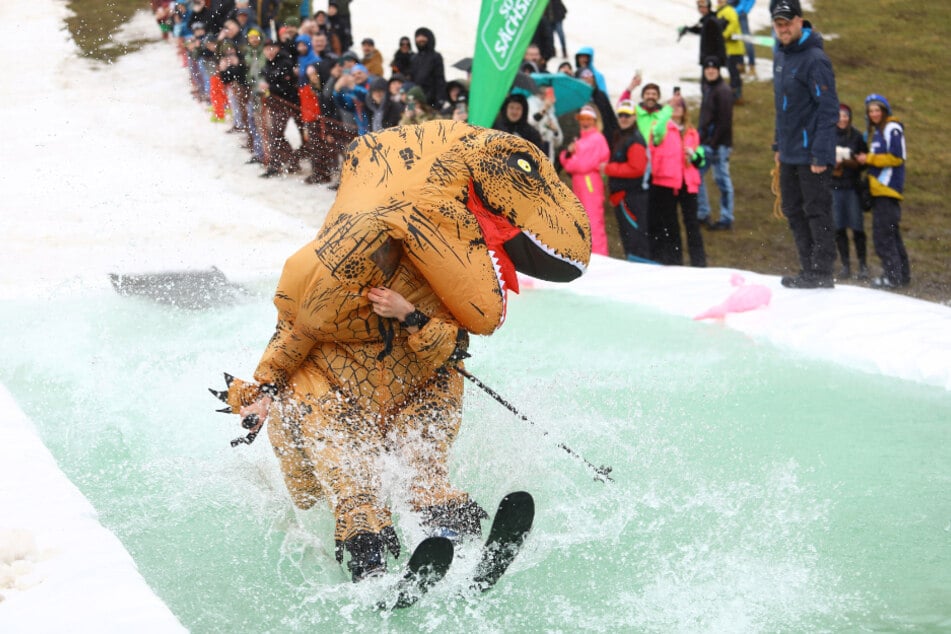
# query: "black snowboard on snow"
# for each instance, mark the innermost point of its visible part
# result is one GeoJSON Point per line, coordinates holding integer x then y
{"type": "Point", "coordinates": [431, 559]}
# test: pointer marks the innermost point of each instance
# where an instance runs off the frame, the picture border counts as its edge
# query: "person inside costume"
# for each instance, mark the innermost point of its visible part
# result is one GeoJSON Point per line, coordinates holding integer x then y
{"type": "Point", "coordinates": [430, 225]}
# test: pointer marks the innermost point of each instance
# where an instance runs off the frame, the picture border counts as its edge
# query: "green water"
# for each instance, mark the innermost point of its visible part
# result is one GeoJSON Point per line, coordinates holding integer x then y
{"type": "Point", "coordinates": [755, 491]}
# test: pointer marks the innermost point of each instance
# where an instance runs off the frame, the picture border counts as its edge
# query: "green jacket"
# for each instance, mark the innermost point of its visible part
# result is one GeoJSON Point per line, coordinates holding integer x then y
{"type": "Point", "coordinates": [656, 120]}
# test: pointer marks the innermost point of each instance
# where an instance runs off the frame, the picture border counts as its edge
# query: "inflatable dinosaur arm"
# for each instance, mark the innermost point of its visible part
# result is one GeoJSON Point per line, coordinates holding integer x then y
{"type": "Point", "coordinates": [285, 352]}
{"type": "Point", "coordinates": [440, 341]}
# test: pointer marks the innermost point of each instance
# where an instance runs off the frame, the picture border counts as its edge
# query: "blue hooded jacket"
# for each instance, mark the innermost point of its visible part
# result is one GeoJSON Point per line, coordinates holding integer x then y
{"type": "Point", "coordinates": [807, 107]}
{"type": "Point", "coordinates": [598, 77]}
{"type": "Point", "coordinates": [303, 61]}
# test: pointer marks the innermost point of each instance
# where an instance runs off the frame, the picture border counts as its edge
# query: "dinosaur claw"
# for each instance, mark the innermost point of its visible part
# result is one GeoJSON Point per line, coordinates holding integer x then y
{"type": "Point", "coordinates": [222, 396]}
{"type": "Point", "coordinates": [224, 410]}
{"type": "Point", "coordinates": [228, 379]}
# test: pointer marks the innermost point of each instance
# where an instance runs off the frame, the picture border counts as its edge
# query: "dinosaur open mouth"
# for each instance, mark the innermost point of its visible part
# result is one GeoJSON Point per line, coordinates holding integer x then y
{"type": "Point", "coordinates": [532, 257]}
{"type": "Point", "coordinates": [515, 249]}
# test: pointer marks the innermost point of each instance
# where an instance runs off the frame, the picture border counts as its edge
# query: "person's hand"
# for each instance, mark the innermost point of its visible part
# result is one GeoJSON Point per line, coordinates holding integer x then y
{"type": "Point", "coordinates": [389, 303]}
{"type": "Point", "coordinates": [571, 148]}
{"type": "Point", "coordinates": [818, 169]}
{"type": "Point", "coordinates": [635, 82]}
{"type": "Point", "coordinates": [776, 157]}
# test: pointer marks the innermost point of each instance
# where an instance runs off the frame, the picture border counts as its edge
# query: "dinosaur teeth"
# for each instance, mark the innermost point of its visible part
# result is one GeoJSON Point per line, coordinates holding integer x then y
{"type": "Point", "coordinates": [547, 249]}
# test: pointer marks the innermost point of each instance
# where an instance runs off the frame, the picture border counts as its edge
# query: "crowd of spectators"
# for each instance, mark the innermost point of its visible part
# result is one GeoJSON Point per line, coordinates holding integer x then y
{"type": "Point", "coordinates": [641, 158]}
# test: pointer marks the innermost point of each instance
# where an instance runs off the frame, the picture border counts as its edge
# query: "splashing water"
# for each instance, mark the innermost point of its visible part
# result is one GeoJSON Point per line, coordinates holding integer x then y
{"type": "Point", "coordinates": [755, 491]}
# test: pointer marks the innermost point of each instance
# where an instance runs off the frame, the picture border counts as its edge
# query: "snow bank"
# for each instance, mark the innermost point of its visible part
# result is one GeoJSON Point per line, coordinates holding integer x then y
{"type": "Point", "coordinates": [60, 570]}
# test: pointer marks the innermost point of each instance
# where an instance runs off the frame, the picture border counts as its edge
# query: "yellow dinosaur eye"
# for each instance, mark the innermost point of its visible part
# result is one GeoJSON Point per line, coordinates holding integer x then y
{"type": "Point", "coordinates": [526, 167]}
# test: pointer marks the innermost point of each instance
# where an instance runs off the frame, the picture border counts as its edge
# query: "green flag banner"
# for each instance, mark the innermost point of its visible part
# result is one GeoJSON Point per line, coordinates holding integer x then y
{"type": "Point", "coordinates": [505, 29]}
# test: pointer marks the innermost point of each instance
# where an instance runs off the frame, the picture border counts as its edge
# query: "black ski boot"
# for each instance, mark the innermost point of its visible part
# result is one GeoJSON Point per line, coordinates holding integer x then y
{"type": "Point", "coordinates": [368, 552]}
{"type": "Point", "coordinates": [454, 521]}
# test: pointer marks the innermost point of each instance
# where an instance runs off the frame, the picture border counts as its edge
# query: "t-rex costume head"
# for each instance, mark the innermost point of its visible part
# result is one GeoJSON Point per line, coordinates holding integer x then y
{"type": "Point", "coordinates": [468, 205]}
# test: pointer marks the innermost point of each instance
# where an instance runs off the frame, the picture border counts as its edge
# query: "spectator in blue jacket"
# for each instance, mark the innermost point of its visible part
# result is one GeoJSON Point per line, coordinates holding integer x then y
{"type": "Point", "coordinates": [584, 59]}
{"type": "Point", "coordinates": [807, 111]}
{"type": "Point", "coordinates": [886, 176]}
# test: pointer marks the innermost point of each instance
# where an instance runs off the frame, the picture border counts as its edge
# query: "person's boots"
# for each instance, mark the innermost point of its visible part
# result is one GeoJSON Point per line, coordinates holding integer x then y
{"type": "Point", "coordinates": [368, 552]}
{"type": "Point", "coordinates": [454, 521]}
{"type": "Point", "coordinates": [860, 252]}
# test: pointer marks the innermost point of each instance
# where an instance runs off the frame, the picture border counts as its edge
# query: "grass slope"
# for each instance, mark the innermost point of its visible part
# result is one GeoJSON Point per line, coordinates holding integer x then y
{"type": "Point", "coordinates": [894, 47]}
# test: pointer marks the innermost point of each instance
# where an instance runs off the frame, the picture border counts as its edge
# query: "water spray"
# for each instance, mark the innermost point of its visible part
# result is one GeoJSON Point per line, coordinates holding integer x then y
{"type": "Point", "coordinates": [602, 473]}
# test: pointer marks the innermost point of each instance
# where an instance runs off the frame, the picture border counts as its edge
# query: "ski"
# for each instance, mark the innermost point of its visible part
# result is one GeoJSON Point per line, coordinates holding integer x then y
{"type": "Point", "coordinates": [431, 559]}
{"type": "Point", "coordinates": [427, 565]}
{"type": "Point", "coordinates": [511, 525]}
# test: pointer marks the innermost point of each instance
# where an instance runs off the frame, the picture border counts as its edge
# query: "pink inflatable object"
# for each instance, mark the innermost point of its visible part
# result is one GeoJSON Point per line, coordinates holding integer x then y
{"type": "Point", "coordinates": [745, 297]}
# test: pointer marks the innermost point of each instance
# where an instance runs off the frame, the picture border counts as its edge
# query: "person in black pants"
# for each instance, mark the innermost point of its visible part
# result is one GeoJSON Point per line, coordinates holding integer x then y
{"type": "Point", "coordinates": [807, 110]}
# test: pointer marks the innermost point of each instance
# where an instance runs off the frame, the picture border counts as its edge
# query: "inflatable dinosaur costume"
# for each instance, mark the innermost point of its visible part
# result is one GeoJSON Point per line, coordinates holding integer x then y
{"type": "Point", "coordinates": [443, 213]}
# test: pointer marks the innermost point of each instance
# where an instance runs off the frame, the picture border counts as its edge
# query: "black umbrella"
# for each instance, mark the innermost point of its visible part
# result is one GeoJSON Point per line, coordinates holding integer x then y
{"type": "Point", "coordinates": [464, 64]}
{"type": "Point", "coordinates": [525, 82]}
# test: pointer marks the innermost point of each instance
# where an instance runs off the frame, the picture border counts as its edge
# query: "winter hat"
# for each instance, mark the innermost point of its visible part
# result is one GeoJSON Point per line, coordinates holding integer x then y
{"type": "Point", "coordinates": [417, 94]}
{"type": "Point", "coordinates": [880, 100]}
{"type": "Point", "coordinates": [787, 10]}
{"type": "Point", "coordinates": [361, 68]}
{"type": "Point", "coordinates": [847, 109]}
{"type": "Point", "coordinates": [379, 84]}
{"type": "Point", "coordinates": [626, 107]}
{"type": "Point", "coordinates": [198, 25]}
{"type": "Point", "coordinates": [711, 61]}
{"type": "Point", "coordinates": [587, 111]}
{"type": "Point", "coordinates": [254, 32]}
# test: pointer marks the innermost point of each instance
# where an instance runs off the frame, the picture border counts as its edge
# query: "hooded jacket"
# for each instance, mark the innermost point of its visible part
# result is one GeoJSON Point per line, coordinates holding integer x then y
{"type": "Point", "coordinates": [598, 76]}
{"type": "Point", "coordinates": [305, 60]}
{"type": "Point", "coordinates": [886, 157]}
{"type": "Point", "coordinates": [521, 127]}
{"type": "Point", "coordinates": [807, 107]}
{"type": "Point", "coordinates": [427, 70]}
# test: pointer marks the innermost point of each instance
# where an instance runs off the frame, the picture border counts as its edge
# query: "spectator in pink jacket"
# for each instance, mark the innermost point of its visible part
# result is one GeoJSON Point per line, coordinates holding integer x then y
{"type": "Point", "coordinates": [583, 159]}
{"type": "Point", "coordinates": [675, 178]}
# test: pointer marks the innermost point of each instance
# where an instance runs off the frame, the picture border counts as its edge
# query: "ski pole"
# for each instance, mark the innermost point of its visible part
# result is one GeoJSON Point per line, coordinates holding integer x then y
{"type": "Point", "coordinates": [602, 472]}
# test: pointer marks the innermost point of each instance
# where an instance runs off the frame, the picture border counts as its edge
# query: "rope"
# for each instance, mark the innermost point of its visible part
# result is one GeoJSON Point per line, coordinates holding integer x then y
{"type": "Point", "coordinates": [777, 192]}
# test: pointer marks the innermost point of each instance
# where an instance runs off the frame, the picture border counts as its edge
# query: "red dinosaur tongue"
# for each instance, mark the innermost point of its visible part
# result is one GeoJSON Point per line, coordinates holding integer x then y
{"type": "Point", "coordinates": [497, 231]}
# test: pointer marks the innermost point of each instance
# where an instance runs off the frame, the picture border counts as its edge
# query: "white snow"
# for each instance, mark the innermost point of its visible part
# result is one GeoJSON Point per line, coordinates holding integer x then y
{"type": "Point", "coordinates": [115, 169]}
